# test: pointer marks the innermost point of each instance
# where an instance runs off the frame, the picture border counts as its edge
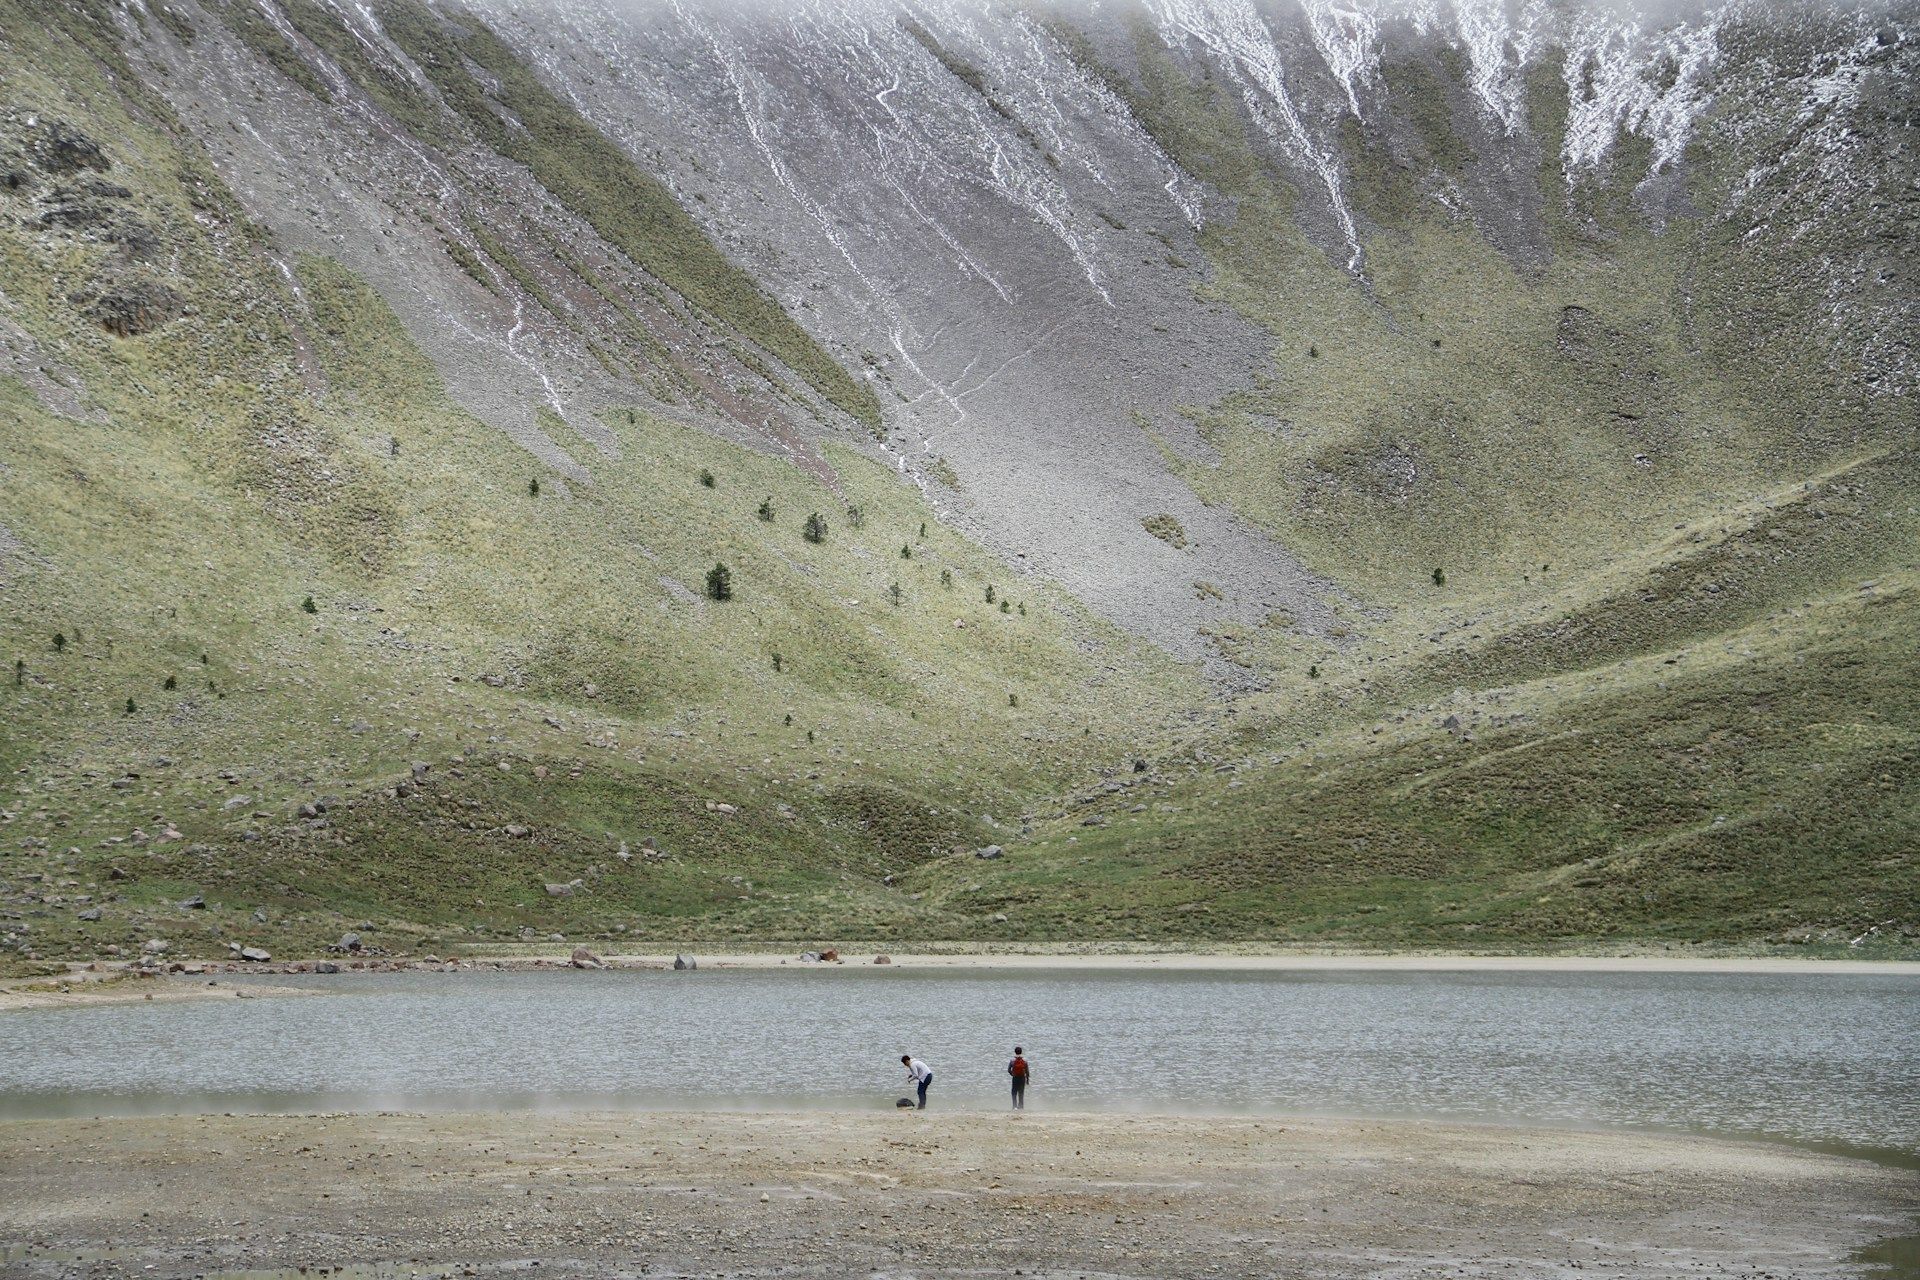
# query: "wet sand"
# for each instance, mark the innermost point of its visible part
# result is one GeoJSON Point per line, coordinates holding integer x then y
{"type": "Point", "coordinates": [918, 1195]}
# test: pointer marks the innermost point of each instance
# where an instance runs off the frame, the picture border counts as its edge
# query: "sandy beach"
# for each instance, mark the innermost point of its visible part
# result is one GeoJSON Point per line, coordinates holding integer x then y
{"type": "Point", "coordinates": [912, 1194]}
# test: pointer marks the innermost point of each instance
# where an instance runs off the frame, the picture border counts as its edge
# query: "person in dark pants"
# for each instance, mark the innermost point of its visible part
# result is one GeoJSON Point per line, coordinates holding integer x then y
{"type": "Point", "coordinates": [921, 1074]}
{"type": "Point", "coordinates": [1020, 1072]}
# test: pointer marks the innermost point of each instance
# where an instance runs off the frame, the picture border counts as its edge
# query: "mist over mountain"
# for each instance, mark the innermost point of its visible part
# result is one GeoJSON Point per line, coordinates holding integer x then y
{"type": "Point", "coordinates": [1434, 474]}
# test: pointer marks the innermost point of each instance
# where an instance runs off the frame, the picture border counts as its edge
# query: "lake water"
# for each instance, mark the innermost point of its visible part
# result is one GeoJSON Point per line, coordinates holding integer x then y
{"type": "Point", "coordinates": [1811, 1058]}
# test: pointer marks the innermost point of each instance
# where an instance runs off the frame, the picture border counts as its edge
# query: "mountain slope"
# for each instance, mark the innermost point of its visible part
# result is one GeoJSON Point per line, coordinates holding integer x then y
{"type": "Point", "coordinates": [1454, 471]}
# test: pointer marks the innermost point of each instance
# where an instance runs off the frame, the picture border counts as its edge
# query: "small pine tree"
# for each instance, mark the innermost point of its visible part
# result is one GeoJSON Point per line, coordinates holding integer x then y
{"type": "Point", "coordinates": [130, 707]}
{"type": "Point", "coordinates": [1023, 608]}
{"type": "Point", "coordinates": [59, 642]}
{"type": "Point", "coordinates": [533, 487]}
{"type": "Point", "coordinates": [308, 606]}
{"type": "Point", "coordinates": [789, 719]}
{"type": "Point", "coordinates": [1313, 672]}
{"type": "Point", "coordinates": [1314, 352]}
{"type": "Point", "coordinates": [906, 552]}
{"type": "Point", "coordinates": [19, 672]}
{"type": "Point", "coordinates": [1439, 578]}
{"type": "Point", "coordinates": [815, 530]}
{"type": "Point", "coordinates": [923, 528]}
{"type": "Point", "coordinates": [809, 735]}
{"type": "Point", "coordinates": [1013, 700]}
{"type": "Point", "coordinates": [989, 593]}
{"type": "Point", "coordinates": [766, 510]}
{"type": "Point", "coordinates": [706, 478]}
{"type": "Point", "coordinates": [776, 664]}
{"type": "Point", "coordinates": [946, 578]}
{"type": "Point", "coordinates": [894, 593]}
{"type": "Point", "coordinates": [857, 517]}
{"type": "Point", "coordinates": [1006, 606]}
{"type": "Point", "coordinates": [170, 683]}
{"type": "Point", "coordinates": [719, 582]}
{"type": "Point", "coordinates": [203, 659]}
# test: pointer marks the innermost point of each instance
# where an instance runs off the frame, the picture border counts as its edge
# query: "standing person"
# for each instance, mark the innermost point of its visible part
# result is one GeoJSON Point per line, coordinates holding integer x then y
{"type": "Point", "coordinates": [1021, 1072]}
{"type": "Point", "coordinates": [921, 1074]}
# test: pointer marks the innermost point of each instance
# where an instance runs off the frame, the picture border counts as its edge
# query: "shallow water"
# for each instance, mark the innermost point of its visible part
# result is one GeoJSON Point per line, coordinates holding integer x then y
{"type": "Point", "coordinates": [1812, 1058]}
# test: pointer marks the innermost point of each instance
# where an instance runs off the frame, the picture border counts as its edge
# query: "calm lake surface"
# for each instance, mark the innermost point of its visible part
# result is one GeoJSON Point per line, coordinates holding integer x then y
{"type": "Point", "coordinates": [1811, 1058]}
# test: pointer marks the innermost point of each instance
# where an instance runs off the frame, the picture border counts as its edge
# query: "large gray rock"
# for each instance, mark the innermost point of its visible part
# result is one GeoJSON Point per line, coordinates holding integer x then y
{"type": "Point", "coordinates": [684, 961]}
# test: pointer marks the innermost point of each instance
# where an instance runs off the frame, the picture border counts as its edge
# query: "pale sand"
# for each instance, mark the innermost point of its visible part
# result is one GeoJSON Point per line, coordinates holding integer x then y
{"type": "Point", "coordinates": [918, 1195]}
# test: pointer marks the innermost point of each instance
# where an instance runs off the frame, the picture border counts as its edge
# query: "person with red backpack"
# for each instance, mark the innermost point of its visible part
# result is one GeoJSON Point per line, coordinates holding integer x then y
{"type": "Point", "coordinates": [1021, 1072]}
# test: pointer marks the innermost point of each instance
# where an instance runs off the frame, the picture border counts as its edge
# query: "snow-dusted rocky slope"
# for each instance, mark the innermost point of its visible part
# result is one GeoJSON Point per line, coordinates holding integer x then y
{"type": "Point", "coordinates": [970, 209]}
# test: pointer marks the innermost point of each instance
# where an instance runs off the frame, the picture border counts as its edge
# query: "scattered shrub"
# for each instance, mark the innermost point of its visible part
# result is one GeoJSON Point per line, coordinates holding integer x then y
{"type": "Point", "coordinates": [1313, 672]}
{"type": "Point", "coordinates": [815, 530]}
{"type": "Point", "coordinates": [19, 672]}
{"type": "Point", "coordinates": [533, 487]}
{"type": "Point", "coordinates": [170, 683]}
{"type": "Point", "coordinates": [719, 582]}
{"type": "Point", "coordinates": [1166, 527]}
{"type": "Point", "coordinates": [1006, 606]}
{"type": "Point", "coordinates": [59, 642]}
{"type": "Point", "coordinates": [906, 552]}
{"type": "Point", "coordinates": [130, 707]}
{"type": "Point", "coordinates": [308, 606]}
{"type": "Point", "coordinates": [857, 517]}
{"type": "Point", "coordinates": [1013, 700]}
{"type": "Point", "coordinates": [989, 593]}
{"type": "Point", "coordinates": [766, 510]}
{"type": "Point", "coordinates": [894, 593]}
{"type": "Point", "coordinates": [706, 479]}
{"type": "Point", "coordinates": [1439, 578]}
{"type": "Point", "coordinates": [946, 578]}
{"type": "Point", "coordinates": [776, 663]}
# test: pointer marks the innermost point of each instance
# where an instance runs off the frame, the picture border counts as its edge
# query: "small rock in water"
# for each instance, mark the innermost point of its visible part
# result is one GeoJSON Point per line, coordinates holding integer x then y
{"type": "Point", "coordinates": [684, 961]}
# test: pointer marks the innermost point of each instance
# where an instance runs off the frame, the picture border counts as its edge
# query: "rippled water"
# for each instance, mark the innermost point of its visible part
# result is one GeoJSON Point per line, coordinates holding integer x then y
{"type": "Point", "coordinates": [1808, 1057]}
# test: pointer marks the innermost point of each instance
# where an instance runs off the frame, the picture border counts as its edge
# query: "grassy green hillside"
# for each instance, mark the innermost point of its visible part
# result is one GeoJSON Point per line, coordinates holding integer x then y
{"type": "Point", "coordinates": [1627, 646]}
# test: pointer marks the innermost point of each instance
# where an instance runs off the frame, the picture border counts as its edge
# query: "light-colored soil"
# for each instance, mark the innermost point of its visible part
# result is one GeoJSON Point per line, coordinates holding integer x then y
{"type": "Point", "coordinates": [120, 987]}
{"type": "Point", "coordinates": [917, 1194]}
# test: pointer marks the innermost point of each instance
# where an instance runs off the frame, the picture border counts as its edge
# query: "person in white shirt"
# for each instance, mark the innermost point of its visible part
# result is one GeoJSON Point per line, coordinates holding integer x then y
{"type": "Point", "coordinates": [921, 1074]}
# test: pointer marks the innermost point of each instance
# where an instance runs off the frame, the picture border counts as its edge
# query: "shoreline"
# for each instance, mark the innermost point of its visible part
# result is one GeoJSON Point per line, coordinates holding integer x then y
{"type": "Point", "coordinates": [113, 982]}
{"type": "Point", "coordinates": [935, 1194]}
